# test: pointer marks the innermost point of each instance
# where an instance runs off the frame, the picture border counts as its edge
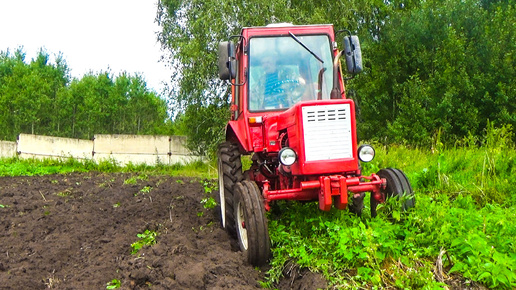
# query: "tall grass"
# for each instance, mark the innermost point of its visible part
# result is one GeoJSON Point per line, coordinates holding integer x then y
{"type": "Point", "coordinates": [487, 172]}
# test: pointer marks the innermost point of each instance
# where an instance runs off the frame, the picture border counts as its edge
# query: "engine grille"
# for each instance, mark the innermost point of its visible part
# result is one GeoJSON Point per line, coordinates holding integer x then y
{"type": "Point", "coordinates": [327, 132]}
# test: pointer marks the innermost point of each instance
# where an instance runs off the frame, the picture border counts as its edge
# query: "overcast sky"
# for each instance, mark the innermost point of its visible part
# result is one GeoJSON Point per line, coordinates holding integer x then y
{"type": "Point", "coordinates": [92, 35]}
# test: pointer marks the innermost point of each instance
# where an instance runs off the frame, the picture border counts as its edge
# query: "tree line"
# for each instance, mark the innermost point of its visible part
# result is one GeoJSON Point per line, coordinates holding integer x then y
{"type": "Point", "coordinates": [40, 97]}
{"type": "Point", "coordinates": [431, 67]}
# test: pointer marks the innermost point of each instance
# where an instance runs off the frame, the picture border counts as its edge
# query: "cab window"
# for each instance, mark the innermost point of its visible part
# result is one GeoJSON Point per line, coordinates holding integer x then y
{"type": "Point", "coordinates": [282, 72]}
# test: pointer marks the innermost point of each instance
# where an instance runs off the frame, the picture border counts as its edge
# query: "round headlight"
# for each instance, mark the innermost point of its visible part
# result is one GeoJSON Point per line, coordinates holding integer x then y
{"type": "Point", "coordinates": [287, 156]}
{"type": "Point", "coordinates": [366, 153]}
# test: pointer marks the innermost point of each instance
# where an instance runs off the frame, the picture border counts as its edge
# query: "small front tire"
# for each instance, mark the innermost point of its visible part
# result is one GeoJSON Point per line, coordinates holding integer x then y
{"type": "Point", "coordinates": [251, 223]}
{"type": "Point", "coordinates": [397, 185]}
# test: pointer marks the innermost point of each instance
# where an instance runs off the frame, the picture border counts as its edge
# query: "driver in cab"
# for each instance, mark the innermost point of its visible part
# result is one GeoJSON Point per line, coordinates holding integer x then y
{"type": "Point", "coordinates": [275, 89]}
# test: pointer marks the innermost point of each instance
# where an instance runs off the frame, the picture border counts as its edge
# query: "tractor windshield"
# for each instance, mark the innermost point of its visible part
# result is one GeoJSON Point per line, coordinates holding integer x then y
{"type": "Point", "coordinates": [288, 69]}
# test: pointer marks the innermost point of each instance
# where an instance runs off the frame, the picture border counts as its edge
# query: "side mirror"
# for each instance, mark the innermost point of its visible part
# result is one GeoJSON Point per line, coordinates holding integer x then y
{"type": "Point", "coordinates": [353, 54]}
{"type": "Point", "coordinates": [227, 61]}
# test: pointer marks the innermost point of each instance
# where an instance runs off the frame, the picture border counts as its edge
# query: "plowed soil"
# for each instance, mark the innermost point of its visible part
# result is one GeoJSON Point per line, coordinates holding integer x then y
{"type": "Point", "coordinates": [75, 231]}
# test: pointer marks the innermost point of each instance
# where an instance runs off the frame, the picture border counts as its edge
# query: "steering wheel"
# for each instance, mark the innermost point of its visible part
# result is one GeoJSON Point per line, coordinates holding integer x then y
{"type": "Point", "coordinates": [285, 92]}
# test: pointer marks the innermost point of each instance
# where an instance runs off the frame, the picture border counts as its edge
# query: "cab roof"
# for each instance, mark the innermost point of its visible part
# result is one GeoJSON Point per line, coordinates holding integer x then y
{"type": "Point", "coordinates": [285, 28]}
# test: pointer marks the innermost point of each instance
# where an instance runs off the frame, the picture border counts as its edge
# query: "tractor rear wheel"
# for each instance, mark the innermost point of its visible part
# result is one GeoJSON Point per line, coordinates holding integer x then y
{"type": "Point", "coordinates": [397, 186]}
{"type": "Point", "coordinates": [230, 172]}
{"type": "Point", "coordinates": [251, 223]}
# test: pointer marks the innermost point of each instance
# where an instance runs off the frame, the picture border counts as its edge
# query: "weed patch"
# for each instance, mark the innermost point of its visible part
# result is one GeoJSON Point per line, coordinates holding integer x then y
{"type": "Point", "coordinates": [113, 284]}
{"type": "Point", "coordinates": [147, 238]}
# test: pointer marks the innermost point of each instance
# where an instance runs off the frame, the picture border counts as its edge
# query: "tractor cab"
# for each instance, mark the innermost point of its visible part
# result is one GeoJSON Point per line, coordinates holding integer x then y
{"type": "Point", "coordinates": [273, 68]}
{"type": "Point", "coordinates": [285, 70]}
{"type": "Point", "coordinates": [290, 113]}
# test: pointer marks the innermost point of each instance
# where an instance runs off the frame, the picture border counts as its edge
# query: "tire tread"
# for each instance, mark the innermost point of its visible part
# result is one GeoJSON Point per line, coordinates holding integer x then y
{"type": "Point", "coordinates": [258, 250]}
{"type": "Point", "coordinates": [229, 157]}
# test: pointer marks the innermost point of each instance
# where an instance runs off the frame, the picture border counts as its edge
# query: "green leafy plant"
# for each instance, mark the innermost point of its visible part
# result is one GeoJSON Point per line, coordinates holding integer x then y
{"type": "Point", "coordinates": [65, 193]}
{"type": "Point", "coordinates": [147, 238]}
{"type": "Point", "coordinates": [480, 261]}
{"type": "Point", "coordinates": [134, 179]}
{"type": "Point", "coordinates": [208, 202]}
{"type": "Point", "coordinates": [113, 284]}
{"type": "Point", "coordinates": [131, 180]}
{"type": "Point", "coordinates": [146, 189]}
{"type": "Point", "coordinates": [143, 176]}
{"type": "Point", "coordinates": [208, 186]}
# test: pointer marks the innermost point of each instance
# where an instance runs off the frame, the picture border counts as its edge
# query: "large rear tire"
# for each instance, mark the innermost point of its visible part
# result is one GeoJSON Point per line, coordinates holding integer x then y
{"type": "Point", "coordinates": [251, 223]}
{"type": "Point", "coordinates": [230, 172]}
{"type": "Point", "coordinates": [397, 186]}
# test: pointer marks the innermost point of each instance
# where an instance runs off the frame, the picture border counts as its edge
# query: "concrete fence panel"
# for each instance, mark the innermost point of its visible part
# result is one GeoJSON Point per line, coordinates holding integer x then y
{"type": "Point", "coordinates": [139, 149]}
{"type": "Point", "coordinates": [183, 159]}
{"type": "Point", "coordinates": [131, 144]}
{"type": "Point", "coordinates": [7, 149]}
{"type": "Point", "coordinates": [177, 145]}
{"type": "Point", "coordinates": [123, 149]}
{"type": "Point", "coordinates": [47, 147]}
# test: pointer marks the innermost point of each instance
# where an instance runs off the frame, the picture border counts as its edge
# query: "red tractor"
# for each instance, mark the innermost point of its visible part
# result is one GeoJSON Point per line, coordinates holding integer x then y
{"type": "Point", "coordinates": [290, 113]}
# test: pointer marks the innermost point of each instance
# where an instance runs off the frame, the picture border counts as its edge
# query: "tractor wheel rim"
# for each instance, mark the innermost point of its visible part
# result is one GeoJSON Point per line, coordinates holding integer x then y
{"type": "Point", "coordinates": [242, 231]}
{"type": "Point", "coordinates": [221, 195]}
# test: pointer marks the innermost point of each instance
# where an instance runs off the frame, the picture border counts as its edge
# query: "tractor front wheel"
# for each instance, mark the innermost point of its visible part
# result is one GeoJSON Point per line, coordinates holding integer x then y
{"type": "Point", "coordinates": [251, 223]}
{"type": "Point", "coordinates": [398, 186]}
{"type": "Point", "coordinates": [230, 172]}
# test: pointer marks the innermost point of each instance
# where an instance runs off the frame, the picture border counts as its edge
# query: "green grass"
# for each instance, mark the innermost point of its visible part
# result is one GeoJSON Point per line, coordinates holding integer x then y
{"type": "Point", "coordinates": [354, 252]}
{"type": "Point", "coordinates": [486, 174]}
{"type": "Point", "coordinates": [37, 167]}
